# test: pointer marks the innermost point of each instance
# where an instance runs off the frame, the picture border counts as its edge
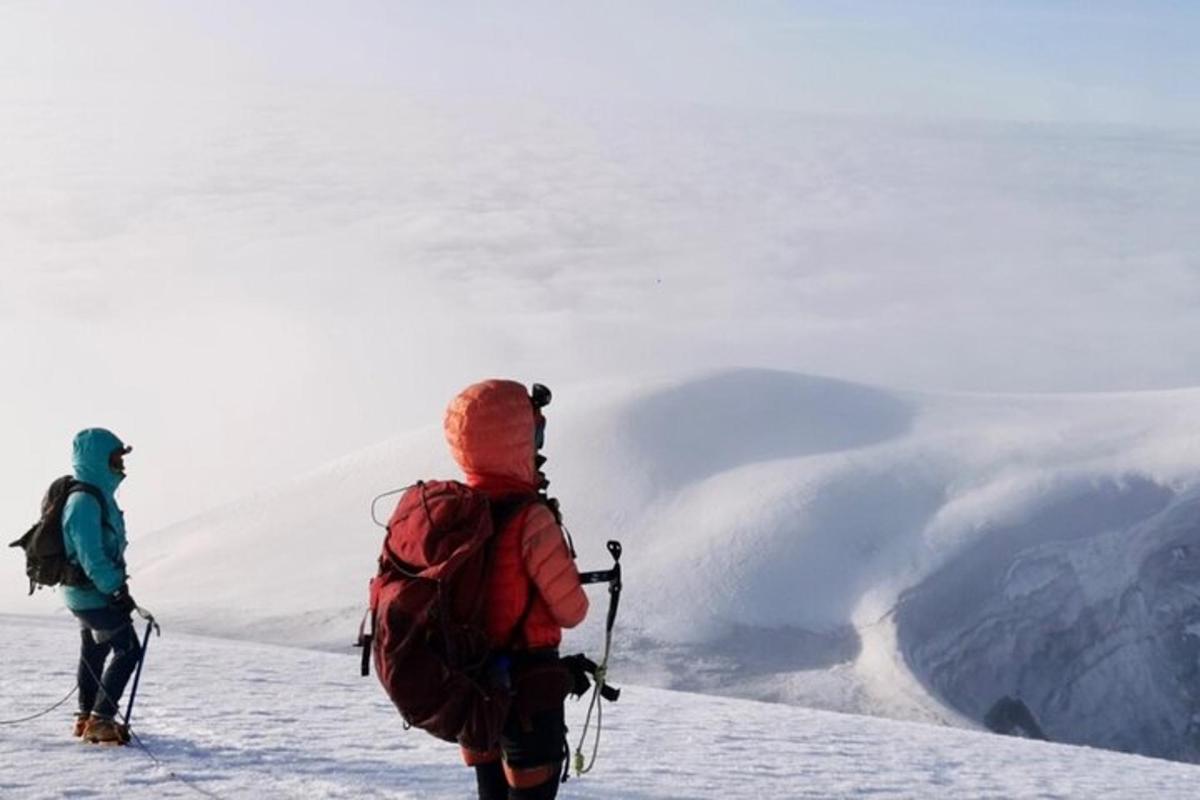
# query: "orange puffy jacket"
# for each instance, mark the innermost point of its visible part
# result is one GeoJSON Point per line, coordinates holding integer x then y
{"type": "Point", "coordinates": [491, 427]}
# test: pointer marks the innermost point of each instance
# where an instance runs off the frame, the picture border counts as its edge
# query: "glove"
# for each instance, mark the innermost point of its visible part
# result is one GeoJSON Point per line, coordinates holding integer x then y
{"type": "Point", "coordinates": [122, 601]}
{"type": "Point", "coordinates": [578, 666]}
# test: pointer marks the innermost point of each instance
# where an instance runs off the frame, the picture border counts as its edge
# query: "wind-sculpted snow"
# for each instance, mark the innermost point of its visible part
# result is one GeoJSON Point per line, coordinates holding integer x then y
{"type": "Point", "coordinates": [705, 427]}
{"type": "Point", "coordinates": [1088, 612]}
{"type": "Point", "coordinates": [798, 539]}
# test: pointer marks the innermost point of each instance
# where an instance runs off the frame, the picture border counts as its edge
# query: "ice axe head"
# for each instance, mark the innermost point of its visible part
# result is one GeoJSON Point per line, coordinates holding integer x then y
{"type": "Point", "coordinates": [614, 549]}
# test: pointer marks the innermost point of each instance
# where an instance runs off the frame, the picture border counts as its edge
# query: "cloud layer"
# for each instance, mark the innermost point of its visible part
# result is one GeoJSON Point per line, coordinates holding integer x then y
{"type": "Point", "coordinates": [248, 267]}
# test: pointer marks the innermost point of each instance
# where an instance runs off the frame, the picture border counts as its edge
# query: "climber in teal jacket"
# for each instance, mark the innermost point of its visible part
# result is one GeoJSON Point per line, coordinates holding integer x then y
{"type": "Point", "coordinates": [94, 538]}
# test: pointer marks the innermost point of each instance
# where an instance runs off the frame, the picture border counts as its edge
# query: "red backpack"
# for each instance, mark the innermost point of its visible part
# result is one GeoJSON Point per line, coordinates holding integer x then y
{"type": "Point", "coordinates": [427, 635]}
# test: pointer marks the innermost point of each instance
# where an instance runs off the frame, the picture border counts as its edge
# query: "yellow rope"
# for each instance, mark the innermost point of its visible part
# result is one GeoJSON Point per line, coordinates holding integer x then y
{"type": "Point", "coordinates": [582, 767]}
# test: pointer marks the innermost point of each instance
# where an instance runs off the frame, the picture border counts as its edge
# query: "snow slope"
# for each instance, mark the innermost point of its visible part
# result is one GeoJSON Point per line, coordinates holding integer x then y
{"type": "Point", "coordinates": [805, 540]}
{"type": "Point", "coordinates": [239, 720]}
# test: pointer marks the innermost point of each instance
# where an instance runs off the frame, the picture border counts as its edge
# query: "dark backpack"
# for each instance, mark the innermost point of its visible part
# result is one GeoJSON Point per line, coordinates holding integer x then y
{"type": "Point", "coordinates": [428, 640]}
{"type": "Point", "coordinates": [46, 561]}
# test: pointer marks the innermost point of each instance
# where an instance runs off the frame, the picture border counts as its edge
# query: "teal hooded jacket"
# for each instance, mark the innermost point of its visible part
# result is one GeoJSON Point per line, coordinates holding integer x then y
{"type": "Point", "coordinates": [99, 549]}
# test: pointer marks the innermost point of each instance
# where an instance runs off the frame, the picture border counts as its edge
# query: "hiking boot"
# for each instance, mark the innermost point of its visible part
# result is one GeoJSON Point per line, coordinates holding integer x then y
{"type": "Point", "coordinates": [81, 721]}
{"type": "Point", "coordinates": [105, 731]}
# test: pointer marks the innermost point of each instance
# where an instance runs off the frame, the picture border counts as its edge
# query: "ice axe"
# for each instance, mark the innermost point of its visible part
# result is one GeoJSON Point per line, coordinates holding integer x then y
{"type": "Point", "coordinates": [613, 578]}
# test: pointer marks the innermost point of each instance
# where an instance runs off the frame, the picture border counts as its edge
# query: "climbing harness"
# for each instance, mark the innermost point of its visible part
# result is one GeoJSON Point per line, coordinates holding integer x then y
{"type": "Point", "coordinates": [612, 577]}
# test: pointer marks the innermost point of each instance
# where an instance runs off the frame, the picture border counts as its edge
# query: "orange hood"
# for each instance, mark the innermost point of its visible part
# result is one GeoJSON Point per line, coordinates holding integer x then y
{"type": "Point", "coordinates": [490, 430]}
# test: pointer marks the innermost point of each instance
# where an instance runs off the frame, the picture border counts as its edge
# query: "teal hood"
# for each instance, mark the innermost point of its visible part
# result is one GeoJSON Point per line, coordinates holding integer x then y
{"type": "Point", "coordinates": [92, 449]}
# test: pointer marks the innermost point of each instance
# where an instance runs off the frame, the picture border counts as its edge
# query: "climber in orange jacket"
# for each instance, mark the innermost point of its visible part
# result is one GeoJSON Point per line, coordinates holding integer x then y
{"type": "Point", "coordinates": [495, 430]}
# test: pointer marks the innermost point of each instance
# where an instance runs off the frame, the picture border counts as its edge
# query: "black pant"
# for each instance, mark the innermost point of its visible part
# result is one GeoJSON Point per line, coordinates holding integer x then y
{"type": "Point", "coordinates": [530, 741]}
{"type": "Point", "coordinates": [104, 631]}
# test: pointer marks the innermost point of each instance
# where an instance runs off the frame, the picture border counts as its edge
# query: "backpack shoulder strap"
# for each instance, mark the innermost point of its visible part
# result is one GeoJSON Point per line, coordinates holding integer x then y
{"type": "Point", "coordinates": [95, 494]}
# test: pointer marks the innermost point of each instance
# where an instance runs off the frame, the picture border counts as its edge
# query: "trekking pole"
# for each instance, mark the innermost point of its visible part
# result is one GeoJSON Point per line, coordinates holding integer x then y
{"type": "Point", "coordinates": [151, 625]}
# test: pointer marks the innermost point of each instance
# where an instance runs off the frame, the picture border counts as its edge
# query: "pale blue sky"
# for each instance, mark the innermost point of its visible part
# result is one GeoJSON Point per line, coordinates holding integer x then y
{"type": "Point", "coordinates": [1122, 62]}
